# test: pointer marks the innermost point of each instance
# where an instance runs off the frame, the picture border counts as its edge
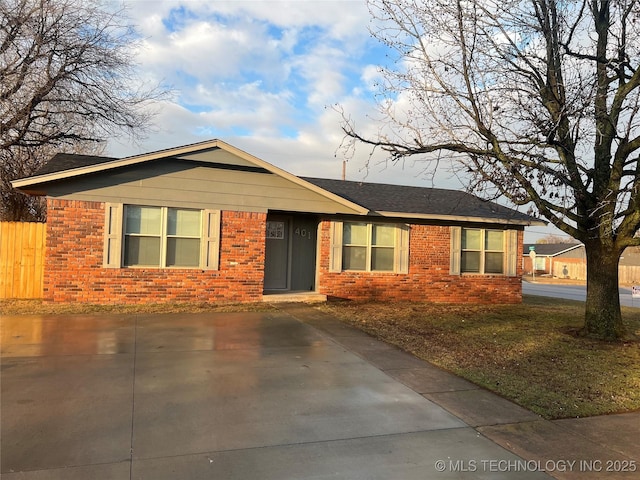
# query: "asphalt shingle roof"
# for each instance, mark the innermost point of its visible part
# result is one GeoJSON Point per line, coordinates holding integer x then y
{"type": "Point", "coordinates": [68, 161]}
{"type": "Point", "coordinates": [550, 249]}
{"type": "Point", "coordinates": [376, 197]}
{"type": "Point", "coordinates": [419, 200]}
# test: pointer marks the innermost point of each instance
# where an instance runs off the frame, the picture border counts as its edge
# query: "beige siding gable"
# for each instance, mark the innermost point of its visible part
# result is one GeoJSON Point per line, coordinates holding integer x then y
{"type": "Point", "coordinates": [217, 155]}
{"type": "Point", "coordinates": [193, 185]}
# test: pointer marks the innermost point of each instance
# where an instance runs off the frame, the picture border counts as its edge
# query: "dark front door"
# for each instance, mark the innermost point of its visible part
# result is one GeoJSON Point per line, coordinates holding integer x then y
{"type": "Point", "coordinates": [303, 253]}
{"type": "Point", "coordinates": [276, 262]}
{"type": "Point", "coordinates": [290, 255]}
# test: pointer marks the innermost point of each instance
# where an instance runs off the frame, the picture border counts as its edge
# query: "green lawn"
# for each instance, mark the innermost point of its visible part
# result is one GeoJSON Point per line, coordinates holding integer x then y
{"type": "Point", "coordinates": [528, 353]}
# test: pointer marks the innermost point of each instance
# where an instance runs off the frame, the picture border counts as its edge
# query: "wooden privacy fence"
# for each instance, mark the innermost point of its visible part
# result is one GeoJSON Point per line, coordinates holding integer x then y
{"type": "Point", "coordinates": [22, 259]}
{"type": "Point", "coordinates": [627, 274]}
{"type": "Point", "coordinates": [571, 268]}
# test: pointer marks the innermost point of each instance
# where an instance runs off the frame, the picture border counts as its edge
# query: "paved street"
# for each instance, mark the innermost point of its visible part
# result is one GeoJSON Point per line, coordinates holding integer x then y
{"type": "Point", "coordinates": [573, 292]}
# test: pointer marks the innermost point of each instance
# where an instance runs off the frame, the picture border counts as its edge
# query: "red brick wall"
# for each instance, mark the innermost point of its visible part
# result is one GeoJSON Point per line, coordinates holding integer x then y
{"type": "Point", "coordinates": [428, 278]}
{"type": "Point", "coordinates": [74, 273]}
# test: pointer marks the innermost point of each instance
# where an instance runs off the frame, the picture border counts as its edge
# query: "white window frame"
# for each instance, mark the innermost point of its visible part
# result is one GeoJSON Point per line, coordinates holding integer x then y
{"type": "Point", "coordinates": [509, 252]}
{"type": "Point", "coordinates": [114, 236]}
{"type": "Point", "coordinates": [483, 250]}
{"type": "Point", "coordinates": [400, 248]}
{"type": "Point", "coordinates": [163, 236]}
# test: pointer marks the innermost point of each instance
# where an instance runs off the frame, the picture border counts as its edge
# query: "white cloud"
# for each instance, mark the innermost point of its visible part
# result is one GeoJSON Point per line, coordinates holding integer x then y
{"type": "Point", "coordinates": [260, 75]}
{"type": "Point", "coordinates": [210, 51]}
{"type": "Point", "coordinates": [343, 18]}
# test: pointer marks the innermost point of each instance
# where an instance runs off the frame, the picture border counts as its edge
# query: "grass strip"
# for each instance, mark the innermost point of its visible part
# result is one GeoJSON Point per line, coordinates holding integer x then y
{"type": "Point", "coordinates": [38, 307]}
{"type": "Point", "coordinates": [528, 353]}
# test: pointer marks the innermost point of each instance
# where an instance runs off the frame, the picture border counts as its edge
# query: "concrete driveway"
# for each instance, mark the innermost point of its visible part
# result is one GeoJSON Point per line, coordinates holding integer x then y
{"type": "Point", "coordinates": [260, 395]}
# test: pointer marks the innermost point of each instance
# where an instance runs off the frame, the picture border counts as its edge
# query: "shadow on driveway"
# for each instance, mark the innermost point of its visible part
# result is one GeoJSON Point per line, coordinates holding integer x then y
{"type": "Point", "coordinates": [291, 394]}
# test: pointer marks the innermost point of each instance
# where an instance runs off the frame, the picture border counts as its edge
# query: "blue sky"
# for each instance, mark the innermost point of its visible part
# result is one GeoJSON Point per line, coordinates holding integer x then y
{"type": "Point", "coordinates": [263, 76]}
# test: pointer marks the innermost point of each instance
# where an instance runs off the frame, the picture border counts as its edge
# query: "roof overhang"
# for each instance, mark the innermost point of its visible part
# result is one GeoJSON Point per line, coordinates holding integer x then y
{"type": "Point", "coordinates": [560, 252]}
{"type": "Point", "coordinates": [464, 218]}
{"type": "Point", "coordinates": [572, 247]}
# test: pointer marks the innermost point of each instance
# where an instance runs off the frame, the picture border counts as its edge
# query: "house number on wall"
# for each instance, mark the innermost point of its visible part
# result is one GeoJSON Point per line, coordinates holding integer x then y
{"type": "Point", "coordinates": [275, 230]}
{"type": "Point", "coordinates": [303, 232]}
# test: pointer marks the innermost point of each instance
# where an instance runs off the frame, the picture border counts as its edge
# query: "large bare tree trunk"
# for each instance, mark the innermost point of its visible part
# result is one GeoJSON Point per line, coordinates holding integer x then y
{"type": "Point", "coordinates": [603, 318]}
{"type": "Point", "coordinates": [537, 102]}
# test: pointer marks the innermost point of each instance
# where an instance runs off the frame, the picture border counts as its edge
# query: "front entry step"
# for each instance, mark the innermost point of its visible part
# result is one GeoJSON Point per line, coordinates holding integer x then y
{"type": "Point", "coordinates": [307, 297]}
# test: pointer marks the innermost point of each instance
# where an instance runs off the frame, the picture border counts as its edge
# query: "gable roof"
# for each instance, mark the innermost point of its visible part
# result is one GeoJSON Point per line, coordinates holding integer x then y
{"type": "Point", "coordinates": [550, 249]}
{"type": "Point", "coordinates": [65, 165]}
{"type": "Point", "coordinates": [68, 166]}
{"type": "Point", "coordinates": [363, 198]}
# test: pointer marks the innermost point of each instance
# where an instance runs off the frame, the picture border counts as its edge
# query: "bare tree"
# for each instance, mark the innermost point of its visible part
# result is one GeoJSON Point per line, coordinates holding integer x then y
{"type": "Point", "coordinates": [551, 238]}
{"type": "Point", "coordinates": [20, 162]}
{"type": "Point", "coordinates": [537, 101]}
{"type": "Point", "coordinates": [15, 206]}
{"type": "Point", "coordinates": [68, 82]}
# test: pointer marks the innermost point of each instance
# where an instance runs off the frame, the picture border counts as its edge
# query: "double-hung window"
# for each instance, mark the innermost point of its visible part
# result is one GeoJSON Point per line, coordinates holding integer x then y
{"type": "Point", "coordinates": [161, 237]}
{"type": "Point", "coordinates": [369, 247]}
{"type": "Point", "coordinates": [540, 263]}
{"type": "Point", "coordinates": [483, 251]}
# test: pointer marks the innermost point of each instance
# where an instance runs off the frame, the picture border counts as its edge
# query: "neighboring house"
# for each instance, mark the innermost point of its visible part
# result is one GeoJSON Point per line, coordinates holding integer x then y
{"type": "Point", "coordinates": [562, 260]}
{"type": "Point", "coordinates": [210, 223]}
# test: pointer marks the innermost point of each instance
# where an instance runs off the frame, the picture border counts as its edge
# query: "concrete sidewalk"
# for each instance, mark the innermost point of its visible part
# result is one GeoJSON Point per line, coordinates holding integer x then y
{"type": "Point", "coordinates": [603, 447]}
{"type": "Point", "coordinates": [287, 394]}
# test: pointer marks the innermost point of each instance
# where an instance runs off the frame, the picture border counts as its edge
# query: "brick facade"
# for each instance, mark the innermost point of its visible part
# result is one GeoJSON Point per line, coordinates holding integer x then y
{"type": "Point", "coordinates": [428, 278]}
{"type": "Point", "coordinates": [74, 272]}
{"type": "Point", "coordinates": [74, 267]}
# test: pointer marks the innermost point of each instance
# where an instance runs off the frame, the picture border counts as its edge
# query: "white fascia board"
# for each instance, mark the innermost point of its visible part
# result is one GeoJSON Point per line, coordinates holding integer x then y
{"type": "Point", "coordinates": [463, 218]}
{"type": "Point", "coordinates": [293, 178]}
{"type": "Point", "coordinates": [121, 162]}
{"type": "Point", "coordinates": [572, 247]}
{"type": "Point", "coordinates": [178, 151]}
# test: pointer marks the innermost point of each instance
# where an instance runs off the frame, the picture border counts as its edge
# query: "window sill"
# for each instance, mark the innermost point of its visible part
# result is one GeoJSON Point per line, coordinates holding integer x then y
{"type": "Point", "coordinates": [375, 272]}
{"type": "Point", "coordinates": [154, 268]}
{"type": "Point", "coordinates": [477, 274]}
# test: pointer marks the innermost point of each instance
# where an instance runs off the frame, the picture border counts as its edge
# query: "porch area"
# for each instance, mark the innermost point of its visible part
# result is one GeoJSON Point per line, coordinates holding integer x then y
{"type": "Point", "coordinates": [286, 297]}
